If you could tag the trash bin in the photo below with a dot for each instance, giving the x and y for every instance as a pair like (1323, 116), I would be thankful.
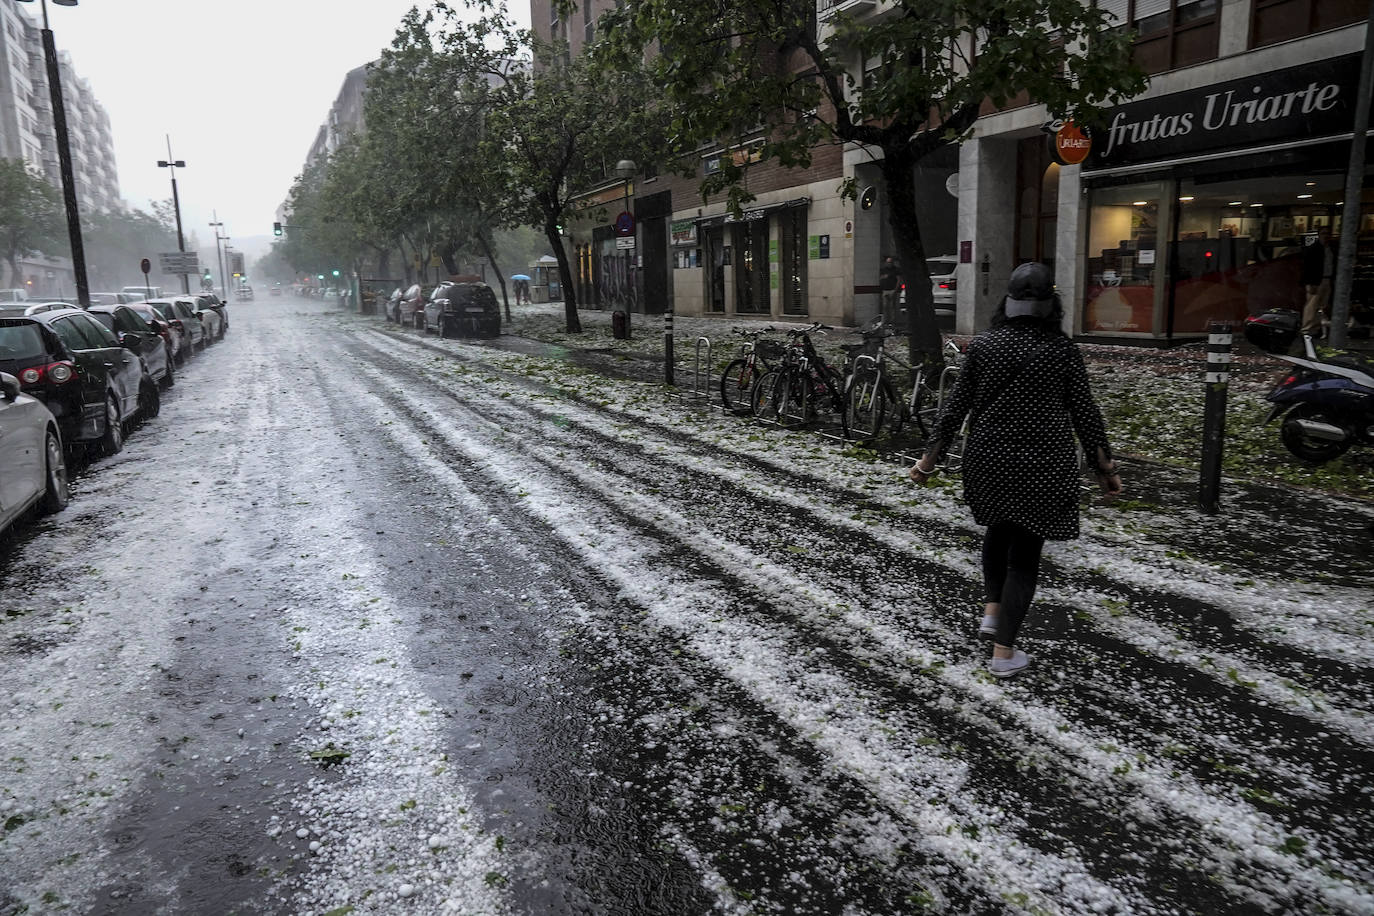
(620, 324)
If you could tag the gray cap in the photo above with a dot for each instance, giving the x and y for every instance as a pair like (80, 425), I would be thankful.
(1030, 291)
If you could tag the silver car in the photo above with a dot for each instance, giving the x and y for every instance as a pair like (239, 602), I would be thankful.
(32, 468)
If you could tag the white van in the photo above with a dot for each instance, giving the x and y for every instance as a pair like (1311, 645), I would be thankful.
(143, 292)
(14, 295)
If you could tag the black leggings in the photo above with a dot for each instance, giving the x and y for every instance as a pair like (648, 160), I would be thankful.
(1011, 566)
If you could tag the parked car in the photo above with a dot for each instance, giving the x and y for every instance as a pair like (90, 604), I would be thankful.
(244, 293)
(173, 336)
(17, 294)
(274, 291)
(92, 385)
(942, 287)
(210, 319)
(142, 292)
(137, 333)
(210, 300)
(33, 470)
(391, 304)
(462, 310)
(32, 308)
(174, 311)
(411, 309)
(104, 298)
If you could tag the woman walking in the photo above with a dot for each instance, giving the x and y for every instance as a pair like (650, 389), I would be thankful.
(1026, 387)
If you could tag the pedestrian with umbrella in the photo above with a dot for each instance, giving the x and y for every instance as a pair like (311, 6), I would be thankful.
(522, 287)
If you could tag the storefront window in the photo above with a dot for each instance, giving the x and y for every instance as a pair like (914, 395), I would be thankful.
(751, 267)
(1124, 260)
(793, 229)
(1239, 247)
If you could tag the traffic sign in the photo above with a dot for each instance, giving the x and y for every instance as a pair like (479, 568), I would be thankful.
(145, 265)
(179, 262)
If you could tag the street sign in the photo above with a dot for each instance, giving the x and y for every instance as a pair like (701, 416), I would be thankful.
(145, 265)
(179, 262)
(625, 223)
(624, 243)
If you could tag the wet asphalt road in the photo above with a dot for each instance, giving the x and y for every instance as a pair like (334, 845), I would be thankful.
(580, 661)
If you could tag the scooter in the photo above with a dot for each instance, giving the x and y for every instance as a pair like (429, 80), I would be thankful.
(1327, 403)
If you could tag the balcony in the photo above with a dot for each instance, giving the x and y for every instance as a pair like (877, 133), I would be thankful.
(825, 9)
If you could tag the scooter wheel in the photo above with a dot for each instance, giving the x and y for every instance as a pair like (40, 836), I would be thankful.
(1303, 444)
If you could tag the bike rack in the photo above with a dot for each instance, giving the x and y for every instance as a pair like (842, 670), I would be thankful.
(701, 387)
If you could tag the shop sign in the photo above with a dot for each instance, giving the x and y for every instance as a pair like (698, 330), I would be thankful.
(684, 232)
(1072, 143)
(1305, 102)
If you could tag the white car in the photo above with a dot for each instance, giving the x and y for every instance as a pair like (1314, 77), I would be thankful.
(32, 468)
(942, 285)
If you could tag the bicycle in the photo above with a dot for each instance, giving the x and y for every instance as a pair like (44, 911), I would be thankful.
(870, 394)
(740, 375)
(803, 381)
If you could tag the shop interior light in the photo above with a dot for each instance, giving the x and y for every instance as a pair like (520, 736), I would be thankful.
(1257, 205)
(1139, 203)
(1186, 197)
(1303, 196)
(1311, 184)
(1235, 203)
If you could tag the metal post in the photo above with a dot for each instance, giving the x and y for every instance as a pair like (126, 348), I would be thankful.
(1214, 415)
(64, 158)
(668, 344)
(700, 388)
(1354, 183)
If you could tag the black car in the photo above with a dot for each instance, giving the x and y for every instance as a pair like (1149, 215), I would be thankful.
(179, 315)
(141, 336)
(91, 384)
(462, 310)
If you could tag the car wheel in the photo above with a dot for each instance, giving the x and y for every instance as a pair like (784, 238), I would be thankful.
(169, 378)
(420, 321)
(112, 441)
(204, 343)
(56, 493)
(149, 401)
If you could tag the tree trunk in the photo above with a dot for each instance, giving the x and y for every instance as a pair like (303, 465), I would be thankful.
(925, 341)
(500, 277)
(384, 265)
(574, 324)
(13, 262)
(446, 255)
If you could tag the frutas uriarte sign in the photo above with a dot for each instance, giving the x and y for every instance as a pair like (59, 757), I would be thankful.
(1306, 102)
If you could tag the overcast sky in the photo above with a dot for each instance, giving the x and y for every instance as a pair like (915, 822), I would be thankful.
(241, 86)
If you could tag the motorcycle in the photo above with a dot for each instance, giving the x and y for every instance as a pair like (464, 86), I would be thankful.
(1327, 402)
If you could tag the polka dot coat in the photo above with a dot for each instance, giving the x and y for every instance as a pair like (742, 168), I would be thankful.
(1025, 389)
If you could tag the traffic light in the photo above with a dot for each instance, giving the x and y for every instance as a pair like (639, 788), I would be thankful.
(276, 228)
(319, 277)
(336, 273)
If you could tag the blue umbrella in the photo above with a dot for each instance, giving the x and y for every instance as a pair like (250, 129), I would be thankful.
(519, 276)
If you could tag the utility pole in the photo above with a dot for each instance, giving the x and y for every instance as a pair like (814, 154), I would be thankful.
(174, 164)
(219, 255)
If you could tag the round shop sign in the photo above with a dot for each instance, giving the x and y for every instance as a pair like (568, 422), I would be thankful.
(1072, 143)
(952, 184)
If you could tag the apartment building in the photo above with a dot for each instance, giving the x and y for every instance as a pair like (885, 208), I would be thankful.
(27, 132)
(1192, 203)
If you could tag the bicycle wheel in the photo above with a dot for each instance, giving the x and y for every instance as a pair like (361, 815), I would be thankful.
(737, 386)
(795, 399)
(763, 398)
(929, 401)
(865, 404)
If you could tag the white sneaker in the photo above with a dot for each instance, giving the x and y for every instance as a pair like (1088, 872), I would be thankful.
(1006, 667)
(989, 626)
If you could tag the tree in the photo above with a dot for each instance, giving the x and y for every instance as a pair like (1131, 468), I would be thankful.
(727, 67)
(115, 241)
(31, 216)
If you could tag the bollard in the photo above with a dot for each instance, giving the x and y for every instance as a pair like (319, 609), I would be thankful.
(620, 324)
(668, 344)
(1214, 415)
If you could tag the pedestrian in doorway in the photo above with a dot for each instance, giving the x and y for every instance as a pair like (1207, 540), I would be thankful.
(890, 283)
(1318, 269)
(1026, 388)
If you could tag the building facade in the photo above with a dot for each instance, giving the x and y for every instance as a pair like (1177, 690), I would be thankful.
(1193, 203)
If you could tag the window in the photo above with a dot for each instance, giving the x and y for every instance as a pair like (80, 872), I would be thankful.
(1273, 21)
(1169, 33)
(71, 335)
(794, 261)
(94, 332)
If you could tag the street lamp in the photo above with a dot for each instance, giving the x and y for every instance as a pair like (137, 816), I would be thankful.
(174, 164)
(64, 157)
(219, 256)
